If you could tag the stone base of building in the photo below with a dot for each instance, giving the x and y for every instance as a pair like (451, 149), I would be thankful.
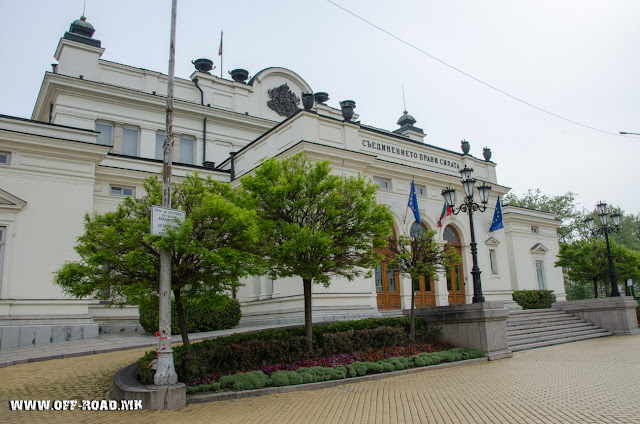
(115, 320)
(296, 316)
(41, 322)
(480, 326)
(616, 314)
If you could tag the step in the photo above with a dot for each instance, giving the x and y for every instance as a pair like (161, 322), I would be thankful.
(549, 324)
(527, 338)
(537, 329)
(539, 344)
(534, 312)
(542, 321)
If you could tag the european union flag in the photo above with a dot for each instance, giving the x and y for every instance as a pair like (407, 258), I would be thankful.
(413, 203)
(496, 224)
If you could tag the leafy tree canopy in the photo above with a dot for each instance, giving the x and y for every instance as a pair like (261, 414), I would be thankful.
(585, 261)
(210, 251)
(318, 224)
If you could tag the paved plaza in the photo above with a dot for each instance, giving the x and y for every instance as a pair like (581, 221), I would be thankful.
(595, 381)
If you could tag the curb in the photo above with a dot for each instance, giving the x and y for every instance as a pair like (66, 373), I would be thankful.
(215, 397)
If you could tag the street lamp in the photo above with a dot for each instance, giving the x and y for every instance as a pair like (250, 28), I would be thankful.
(606, 228)
(469, 206)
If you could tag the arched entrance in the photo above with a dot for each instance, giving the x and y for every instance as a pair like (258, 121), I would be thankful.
(455, 276)
(387, 283)
(423, 287)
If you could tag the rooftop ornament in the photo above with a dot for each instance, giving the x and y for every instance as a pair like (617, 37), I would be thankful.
(203, 65)
(347, 109)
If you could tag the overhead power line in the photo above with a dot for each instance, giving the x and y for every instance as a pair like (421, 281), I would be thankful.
(413, 46)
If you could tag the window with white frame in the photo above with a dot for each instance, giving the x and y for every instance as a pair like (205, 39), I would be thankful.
(160, 145)
(540, 274)
(130, 141)
(534, 229)
(382, 182)
(187, 150)
(493, 259)
(5, 158)
(106, 133)
(421, 190)
(3, 238)
(121, 191)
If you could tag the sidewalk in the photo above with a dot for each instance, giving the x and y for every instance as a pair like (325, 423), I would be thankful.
(104, 343)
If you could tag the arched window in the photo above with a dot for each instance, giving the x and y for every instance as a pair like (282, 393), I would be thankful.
(450, 235)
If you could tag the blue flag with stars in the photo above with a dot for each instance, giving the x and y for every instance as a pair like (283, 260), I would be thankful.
(496, 224)
(413, 203)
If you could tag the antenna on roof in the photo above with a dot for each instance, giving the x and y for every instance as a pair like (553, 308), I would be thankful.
(84, 6)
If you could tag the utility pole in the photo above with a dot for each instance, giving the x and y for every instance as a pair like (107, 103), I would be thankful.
(165, 371)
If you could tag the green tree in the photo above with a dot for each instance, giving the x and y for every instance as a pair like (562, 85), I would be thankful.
(419, 255)
(563, 206)
(585, 261)
(211, 250)
(319, 225)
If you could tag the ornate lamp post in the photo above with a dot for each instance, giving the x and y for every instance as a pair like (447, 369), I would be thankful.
(605, 229)
(469, 206)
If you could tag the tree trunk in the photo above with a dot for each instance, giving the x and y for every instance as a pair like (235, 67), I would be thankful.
(181, 321)
(595, 289)
(308, 317)
(412, 327)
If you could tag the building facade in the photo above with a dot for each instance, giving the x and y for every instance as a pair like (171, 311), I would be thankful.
(96, 134)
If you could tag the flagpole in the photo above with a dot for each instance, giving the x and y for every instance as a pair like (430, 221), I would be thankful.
(220, 53)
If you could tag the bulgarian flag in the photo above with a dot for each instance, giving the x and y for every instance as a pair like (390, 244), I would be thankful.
(446, 211)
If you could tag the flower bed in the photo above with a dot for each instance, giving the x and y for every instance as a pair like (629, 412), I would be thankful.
(333, 368)
(252, 351)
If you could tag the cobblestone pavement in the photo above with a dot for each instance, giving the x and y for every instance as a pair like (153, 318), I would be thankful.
(594, 381)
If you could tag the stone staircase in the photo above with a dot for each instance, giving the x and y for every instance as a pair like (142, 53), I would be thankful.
(534, 328)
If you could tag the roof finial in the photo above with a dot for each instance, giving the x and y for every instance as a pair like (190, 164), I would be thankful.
(84, 6)
(404, 100)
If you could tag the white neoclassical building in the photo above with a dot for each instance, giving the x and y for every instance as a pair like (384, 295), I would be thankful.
(96, 134)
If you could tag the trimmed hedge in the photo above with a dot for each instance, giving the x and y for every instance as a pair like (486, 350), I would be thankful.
(258, 379)
(534, 299)
(253, 350)
(199, 316)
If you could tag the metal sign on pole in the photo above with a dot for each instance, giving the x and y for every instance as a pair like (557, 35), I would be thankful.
(165, 371)
(163, 218)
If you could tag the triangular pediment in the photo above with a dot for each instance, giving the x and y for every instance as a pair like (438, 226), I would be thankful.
(539, 248)
(10, 202)
(491, 241)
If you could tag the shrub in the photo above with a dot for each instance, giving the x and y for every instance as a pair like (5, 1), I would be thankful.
(244, 381)
(534, 299)
(218, 313)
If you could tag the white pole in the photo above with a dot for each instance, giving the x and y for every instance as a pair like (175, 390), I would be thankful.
(166, 372)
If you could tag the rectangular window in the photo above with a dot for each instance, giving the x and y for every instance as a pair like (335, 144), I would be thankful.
(122, 191)
(130, 137)
(392, 280)
(379, 277)
(106, 133)
(494, 261)
(383, 183)
(421, 191)
(5, 158)
(3, 238)
(458, 282)
(540, 274)
(534, 229)
(187, 150)
(160, 145)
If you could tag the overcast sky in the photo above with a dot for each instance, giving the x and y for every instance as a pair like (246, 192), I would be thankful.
(578, 59)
